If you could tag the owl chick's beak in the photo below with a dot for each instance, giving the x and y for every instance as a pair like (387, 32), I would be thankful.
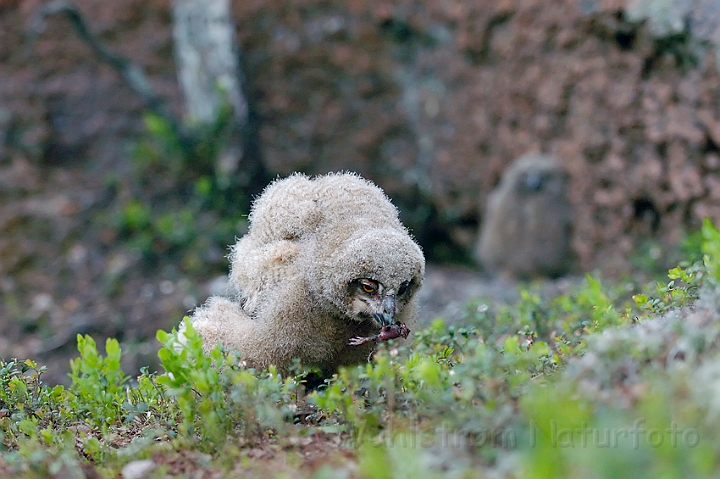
(389, 308)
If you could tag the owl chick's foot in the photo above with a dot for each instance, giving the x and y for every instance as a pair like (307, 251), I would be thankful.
(386, 333)
(358, 340)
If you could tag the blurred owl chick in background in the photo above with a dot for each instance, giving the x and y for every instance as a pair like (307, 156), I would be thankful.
(527, 226)
(325, 266)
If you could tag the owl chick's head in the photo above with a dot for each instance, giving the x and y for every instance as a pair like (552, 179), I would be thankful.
(534, 175)
(373, 275)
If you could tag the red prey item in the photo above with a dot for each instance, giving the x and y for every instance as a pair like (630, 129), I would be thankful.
(386, 333)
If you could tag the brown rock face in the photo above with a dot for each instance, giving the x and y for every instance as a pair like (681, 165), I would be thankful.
(434, 100)
(431, 100)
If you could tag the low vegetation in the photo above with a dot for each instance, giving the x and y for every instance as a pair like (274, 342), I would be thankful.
(604, 381)
(177, 204)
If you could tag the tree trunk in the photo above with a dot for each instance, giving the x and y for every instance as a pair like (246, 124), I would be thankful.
(208, 69)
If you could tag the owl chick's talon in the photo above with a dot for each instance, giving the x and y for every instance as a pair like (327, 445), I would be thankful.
(358, 340)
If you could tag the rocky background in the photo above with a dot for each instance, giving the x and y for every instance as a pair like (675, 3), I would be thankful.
(431, 100)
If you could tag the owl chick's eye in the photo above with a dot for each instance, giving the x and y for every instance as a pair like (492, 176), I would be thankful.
(369, 287)
(403, 288)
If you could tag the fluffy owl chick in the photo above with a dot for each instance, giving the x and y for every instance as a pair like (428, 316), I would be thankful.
(325, 260)
(528, 221)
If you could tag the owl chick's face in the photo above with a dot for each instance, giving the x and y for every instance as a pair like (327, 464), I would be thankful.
(370, 299)
(547, 182)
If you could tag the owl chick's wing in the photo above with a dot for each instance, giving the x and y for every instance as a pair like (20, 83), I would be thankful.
(257, 270)
(263, 259)
(222, 321)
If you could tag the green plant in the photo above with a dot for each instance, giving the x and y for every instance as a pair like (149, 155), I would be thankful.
(98, 383)
(687, 278)
(216, 396)
(26, 404)
(711, 249)
(184, 206)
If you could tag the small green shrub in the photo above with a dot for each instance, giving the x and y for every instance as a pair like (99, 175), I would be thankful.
(26, 404)
(98, 383)
(216, 396)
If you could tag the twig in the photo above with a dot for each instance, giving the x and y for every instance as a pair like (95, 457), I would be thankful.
(131, 73)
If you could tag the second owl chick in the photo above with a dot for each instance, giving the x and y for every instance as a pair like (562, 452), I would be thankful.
(325, 260)
(527, 226)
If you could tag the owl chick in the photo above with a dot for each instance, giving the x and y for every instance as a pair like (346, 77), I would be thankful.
(527, 226)
(325, 262)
